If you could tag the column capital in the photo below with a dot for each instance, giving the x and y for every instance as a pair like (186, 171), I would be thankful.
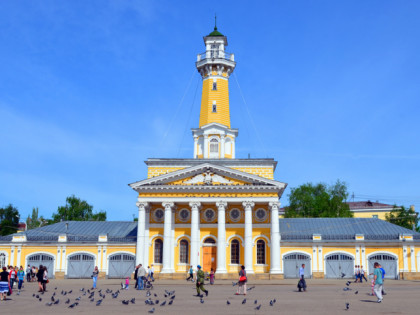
(221, 204)
(206, 136)
(248, 205)
(168, 205)
(195, 204)
(274, 205)
(142, 205)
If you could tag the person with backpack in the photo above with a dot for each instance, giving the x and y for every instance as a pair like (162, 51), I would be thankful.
(40, 278)
(302, 282)
(20, 277)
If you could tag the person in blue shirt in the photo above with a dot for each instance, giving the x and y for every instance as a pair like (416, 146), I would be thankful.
(21, 277)
(383, 278)
(377, 276)
(302, 282)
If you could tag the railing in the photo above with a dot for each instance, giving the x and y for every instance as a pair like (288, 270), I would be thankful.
(216, 54)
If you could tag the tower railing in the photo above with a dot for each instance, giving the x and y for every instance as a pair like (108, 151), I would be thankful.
(215, 54)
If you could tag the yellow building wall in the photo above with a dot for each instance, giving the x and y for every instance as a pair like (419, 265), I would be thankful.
(393, 250)
(381, 215)
(259, 233)
(153, 234)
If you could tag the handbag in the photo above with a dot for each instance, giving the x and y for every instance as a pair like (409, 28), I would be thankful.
(242, 279)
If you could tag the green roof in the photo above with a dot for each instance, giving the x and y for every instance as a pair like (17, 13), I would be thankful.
(215, 32)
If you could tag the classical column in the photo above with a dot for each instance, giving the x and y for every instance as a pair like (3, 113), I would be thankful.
(206, 147)
(173, 241)
(167, 233)
(275, 239)
(195, 234)
(248, 206)
(222, 146)
(146, 245)
(405, 258)
(140, 232)
(195, 147)
(413, 259)
(221, 237)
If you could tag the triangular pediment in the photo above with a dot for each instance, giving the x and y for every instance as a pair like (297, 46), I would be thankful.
(207, 174)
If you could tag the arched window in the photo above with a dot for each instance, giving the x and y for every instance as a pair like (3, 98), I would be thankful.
(2, 260)
(214, 147)
(209, 240)
(261, 252)
(234, 252)
(183, 252)
(158, 251)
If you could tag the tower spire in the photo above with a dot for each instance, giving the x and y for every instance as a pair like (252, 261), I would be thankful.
(215, 22)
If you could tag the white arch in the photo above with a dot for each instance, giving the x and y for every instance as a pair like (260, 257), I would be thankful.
(120, 252)
(79, 252)
(207, 236)
(382, 252)
(296, 252)
(261, 236)
(42, 253)
(235, 236)
(153, 238)
(183, 236)
(338, 252)
(6, 254)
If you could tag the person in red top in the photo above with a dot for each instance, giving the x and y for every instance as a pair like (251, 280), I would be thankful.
(12, 276)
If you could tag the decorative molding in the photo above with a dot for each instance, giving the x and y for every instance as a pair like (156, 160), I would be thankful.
(248, 205)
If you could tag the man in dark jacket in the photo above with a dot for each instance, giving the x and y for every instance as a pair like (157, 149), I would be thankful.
(135, 276)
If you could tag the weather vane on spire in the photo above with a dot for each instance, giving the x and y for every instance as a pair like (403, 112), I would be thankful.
(215, 22)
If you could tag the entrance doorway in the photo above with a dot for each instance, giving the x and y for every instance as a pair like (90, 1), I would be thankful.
(209, 254)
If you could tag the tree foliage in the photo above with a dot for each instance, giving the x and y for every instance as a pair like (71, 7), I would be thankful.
(9, 220)
(318, 201)
(77, 210)
(34, 221)
(405, 217)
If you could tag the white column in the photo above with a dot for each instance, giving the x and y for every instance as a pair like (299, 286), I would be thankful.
(405, 258)
(222, 146)
(357, 261)
(140, 232)
(221, 237)
(19, 254)
(195, 147)
(320, 259)
(173, 241)
(206, 147)
(167, 233)
(12, 256)
(64, 259)
(58, 262)
(275, 238)
(363, 249)
(413, 259)
(233, 147)
(248, 205)
(195, 234)
(314, 258)
(146, 239)
(98, 259)
(104, 260)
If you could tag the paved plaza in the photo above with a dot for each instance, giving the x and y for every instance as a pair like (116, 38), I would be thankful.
(322, 297)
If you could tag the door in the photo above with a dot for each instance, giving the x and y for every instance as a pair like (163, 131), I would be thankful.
(388, 262)
(292, 263)
(80, 266)
(338, 264)
(45, 260)
(121, 266)
(209, 258)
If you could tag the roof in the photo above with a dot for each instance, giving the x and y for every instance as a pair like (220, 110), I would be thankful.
(79, 231)
(341, 229)
(215, 32)
(355, 205)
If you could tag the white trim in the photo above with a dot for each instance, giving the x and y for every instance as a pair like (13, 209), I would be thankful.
(207, 236)
(121, 252)
(235, 236)
(339, 252)
(262, 236)
(183, 236)
(256, 252)
(42, 253)
(155, 236)
(296, 252)
(418, 261)
(382, 252)
(207, 199)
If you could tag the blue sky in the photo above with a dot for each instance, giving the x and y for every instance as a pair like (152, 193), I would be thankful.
(89, 90)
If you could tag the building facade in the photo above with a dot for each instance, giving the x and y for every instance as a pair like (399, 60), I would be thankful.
(217, 211)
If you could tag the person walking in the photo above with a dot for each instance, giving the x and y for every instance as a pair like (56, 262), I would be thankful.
(377, 276)
(28, 274)
(135, 276)
(362, 274)
(152, 272)
(242, 282)
(383, 279)
(45, 278)
(4, 283)
(20, 277)
(200, 282)
(302, 282)
(190, 274)
(356, 273)
(127, 283)
(12, 276)
(40, 276)
(212, 276)
(141, 274)
(95, 275)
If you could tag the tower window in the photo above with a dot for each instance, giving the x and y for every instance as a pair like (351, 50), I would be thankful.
(214, 86)
(214, 146)
(214, 109)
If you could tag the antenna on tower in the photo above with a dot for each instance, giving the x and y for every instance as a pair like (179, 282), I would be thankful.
(352, 196)
(215, 22)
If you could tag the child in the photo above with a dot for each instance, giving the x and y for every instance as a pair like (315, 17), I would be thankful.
(212, 276)
(127, 283)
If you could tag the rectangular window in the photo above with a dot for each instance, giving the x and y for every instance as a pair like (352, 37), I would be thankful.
(261, 252)
(214, 86)
(375, 216)
(234, 253)
(214, 110)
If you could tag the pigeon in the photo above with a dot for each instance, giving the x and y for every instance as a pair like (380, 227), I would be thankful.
(125, 302)
(346, 289)
(84, 294)
(82, 289)
(133, 301)
(92, 299)
(274, 301)
(88, 291)
(157, 302)
(227, 302)
(348, 283)
(78, 299)
(42, 293)
(271, 303)
(37, 296)
(244, 301)
(73, 305)
(49, 304)
(55, 288)
(234, 283)
(250, 288)
(163, 303)
(347, 306)
(68, 301)
(152, 310)
(255, 302)
(98, 302)
(343, 275)
(52, 299)
(57, 301)
(258, 307)
(148, 293)
(18, 293)
(201, 301)
(172, 297)
(170, 302)
(40, 299)
(155, 294)
(65, 293)
(53, 294)
(122, 286)
(70, 291)
(356, 292)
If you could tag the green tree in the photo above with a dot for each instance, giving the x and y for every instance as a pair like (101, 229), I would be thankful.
(9, 220)
(405, 217)
(77, 210)
(34, 221)
(318, 201)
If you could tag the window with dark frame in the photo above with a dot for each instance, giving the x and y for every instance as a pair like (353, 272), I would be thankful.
(214, 86)
(214, 110)
(214, 146)
(260, 252)
(158, 254)
(183, 252)
(234, 252)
